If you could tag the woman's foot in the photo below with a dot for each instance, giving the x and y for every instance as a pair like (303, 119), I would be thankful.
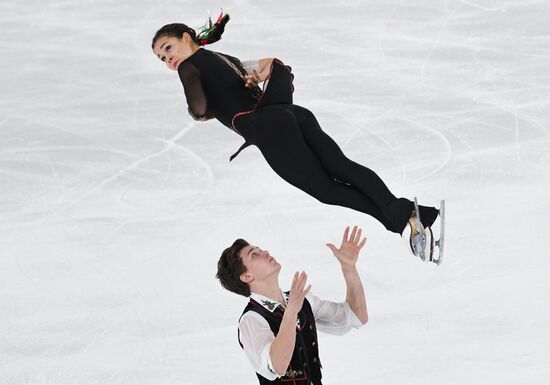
(417, 238)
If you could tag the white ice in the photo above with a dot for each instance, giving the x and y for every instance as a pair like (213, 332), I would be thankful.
(115, 205)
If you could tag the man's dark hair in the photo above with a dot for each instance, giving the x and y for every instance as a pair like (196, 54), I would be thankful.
(230, 268)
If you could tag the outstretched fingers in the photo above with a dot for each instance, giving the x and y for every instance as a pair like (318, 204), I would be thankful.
(294, 280)
(346, 233)
(299, 281)
(352, 244)
(298, 291)
(353, 234)
(302, 279)
(308, 288)
(357, 237)
(363, 243)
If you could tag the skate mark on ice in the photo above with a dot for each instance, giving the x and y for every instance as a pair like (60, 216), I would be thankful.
(471, 155)
(65, 148)
(358, 128)
(442, 31)
(384, 28)
(11, 322)
(140, 306)
(482, 8)
(444, 140)
(201, 161)
(516, 129)
(170, 143)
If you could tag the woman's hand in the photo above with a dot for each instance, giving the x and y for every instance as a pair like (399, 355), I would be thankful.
(252, 80)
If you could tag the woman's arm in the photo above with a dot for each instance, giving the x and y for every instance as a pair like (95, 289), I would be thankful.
(265, 67)
(194, 92)
(258, 71)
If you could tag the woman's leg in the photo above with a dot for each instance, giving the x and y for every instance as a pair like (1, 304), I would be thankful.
(362, 178)
(277, 134)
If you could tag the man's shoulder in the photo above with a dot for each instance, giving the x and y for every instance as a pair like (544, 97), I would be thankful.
(250, 308)
(251, 318)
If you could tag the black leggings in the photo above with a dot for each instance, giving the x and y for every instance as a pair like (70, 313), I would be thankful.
(300, 152)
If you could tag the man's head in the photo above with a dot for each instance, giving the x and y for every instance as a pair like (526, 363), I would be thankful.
(242, 267)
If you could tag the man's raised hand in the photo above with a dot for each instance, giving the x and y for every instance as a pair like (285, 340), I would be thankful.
(298, 292)
(348, 252)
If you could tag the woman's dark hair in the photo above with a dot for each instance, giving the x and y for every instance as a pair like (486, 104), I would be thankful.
(230, 268)
(208, 35)
(174, 30)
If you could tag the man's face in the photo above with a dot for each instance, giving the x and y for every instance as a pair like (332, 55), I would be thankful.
(172, 51)
(259, 264)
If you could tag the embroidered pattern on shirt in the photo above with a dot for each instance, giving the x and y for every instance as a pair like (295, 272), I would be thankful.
(270, 305)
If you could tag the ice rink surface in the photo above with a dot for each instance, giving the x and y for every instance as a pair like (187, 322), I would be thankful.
(115, 205)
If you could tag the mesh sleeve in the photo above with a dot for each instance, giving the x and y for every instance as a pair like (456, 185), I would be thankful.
(194, 92)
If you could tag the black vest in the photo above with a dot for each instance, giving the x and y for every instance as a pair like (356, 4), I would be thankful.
(304, 367)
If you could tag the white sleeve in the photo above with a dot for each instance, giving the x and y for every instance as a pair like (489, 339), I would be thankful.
(251, 65)
(333, 317)
(256, 337)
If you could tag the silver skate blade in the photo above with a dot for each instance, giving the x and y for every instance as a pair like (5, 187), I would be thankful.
(432, 244)
(440, 242)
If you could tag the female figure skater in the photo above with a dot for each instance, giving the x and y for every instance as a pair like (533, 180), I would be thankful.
(294, 145)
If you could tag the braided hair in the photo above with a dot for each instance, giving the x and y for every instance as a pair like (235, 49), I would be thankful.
(210, 33)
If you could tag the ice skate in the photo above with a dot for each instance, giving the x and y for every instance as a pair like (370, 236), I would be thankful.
(440, 222)
(417, 239)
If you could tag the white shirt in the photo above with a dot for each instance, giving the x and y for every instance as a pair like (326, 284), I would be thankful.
(256, 335)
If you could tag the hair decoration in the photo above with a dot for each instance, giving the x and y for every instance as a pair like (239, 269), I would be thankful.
(211, 33)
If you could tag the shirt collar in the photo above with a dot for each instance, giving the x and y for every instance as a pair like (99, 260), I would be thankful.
(268, 303)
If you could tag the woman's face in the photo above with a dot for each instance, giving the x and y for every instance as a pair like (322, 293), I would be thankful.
(172, 50)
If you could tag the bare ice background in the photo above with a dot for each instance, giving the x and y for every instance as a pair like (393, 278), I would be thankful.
(115, 205)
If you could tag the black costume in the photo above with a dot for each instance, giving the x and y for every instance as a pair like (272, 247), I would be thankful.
(304, 367)
(289, 137)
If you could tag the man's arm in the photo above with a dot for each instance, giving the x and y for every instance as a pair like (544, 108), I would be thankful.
(283, 345)
(347, 255)
(355, 295)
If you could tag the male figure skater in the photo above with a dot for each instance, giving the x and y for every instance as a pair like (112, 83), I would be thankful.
(278, 330)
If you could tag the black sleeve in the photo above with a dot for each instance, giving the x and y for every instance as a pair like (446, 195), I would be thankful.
(194, 92)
